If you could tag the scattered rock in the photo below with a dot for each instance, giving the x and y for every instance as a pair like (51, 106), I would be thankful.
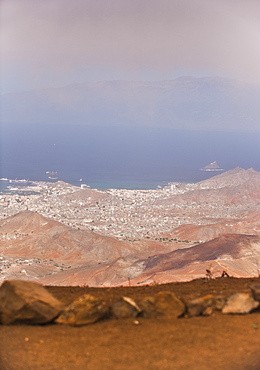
(125, 307)
(255, 289)
(30, 303)
(197, 306)
(27, 302)
(240, 303)
(85, 310)
(163, 304)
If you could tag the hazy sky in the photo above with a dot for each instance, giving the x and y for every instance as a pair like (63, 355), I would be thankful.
(57, 42)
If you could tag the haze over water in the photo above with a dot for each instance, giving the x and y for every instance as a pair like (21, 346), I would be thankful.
(66, 59)
(112, 157)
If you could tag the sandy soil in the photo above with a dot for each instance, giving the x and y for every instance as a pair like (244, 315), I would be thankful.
(229, 342)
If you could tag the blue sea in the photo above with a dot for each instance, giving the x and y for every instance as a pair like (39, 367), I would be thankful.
(121, 157)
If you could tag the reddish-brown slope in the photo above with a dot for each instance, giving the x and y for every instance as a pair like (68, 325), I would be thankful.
(234, 246)
(244, 194)
(32, 235)
(239, 255)
(247, 224)
(91, 194)
(232, 177)
(37, 236)
(234, 187)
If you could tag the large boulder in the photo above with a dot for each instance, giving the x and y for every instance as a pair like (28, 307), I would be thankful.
(198, 306)
(125, 307)
(162, 304)
(205, 305)
(240, 303)
(85, 310)
(27, 302)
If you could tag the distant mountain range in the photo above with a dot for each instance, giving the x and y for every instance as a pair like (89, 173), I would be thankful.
(186, 102)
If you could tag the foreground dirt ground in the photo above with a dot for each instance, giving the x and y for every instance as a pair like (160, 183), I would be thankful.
(229, 342)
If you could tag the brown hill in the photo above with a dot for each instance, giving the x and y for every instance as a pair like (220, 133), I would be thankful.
(239, 255)
(97, 260)
(32, 235)
(226, 246)
(29, 235)
(234, 177)
(247, 193)
(226, 203)
(236, 254)
(83, 194)
(246, 223)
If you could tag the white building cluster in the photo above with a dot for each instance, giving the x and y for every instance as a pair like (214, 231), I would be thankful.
(131, 214)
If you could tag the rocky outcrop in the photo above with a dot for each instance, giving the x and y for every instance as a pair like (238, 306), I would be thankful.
(199, 306)
(240, 303)
(27, 303)
(30, 303)
(125, 307)
(85, 310)
(163, 304)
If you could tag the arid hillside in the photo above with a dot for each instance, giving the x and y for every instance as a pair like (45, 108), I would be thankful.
(68, 236)
(235, 254)
(246, 223)
(60, 255)
(36, 246)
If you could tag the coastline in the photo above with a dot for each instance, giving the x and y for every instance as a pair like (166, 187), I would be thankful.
(120, 181)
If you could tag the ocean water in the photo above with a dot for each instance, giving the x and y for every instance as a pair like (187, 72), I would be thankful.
(121, 157)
